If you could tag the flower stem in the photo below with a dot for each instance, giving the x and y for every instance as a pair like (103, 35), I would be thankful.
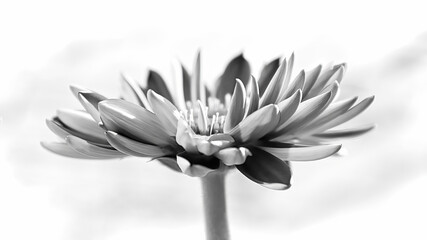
(213, 188)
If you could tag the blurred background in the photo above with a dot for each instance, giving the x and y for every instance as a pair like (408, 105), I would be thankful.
(376, 191)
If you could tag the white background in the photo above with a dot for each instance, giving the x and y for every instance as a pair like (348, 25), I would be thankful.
(377, 191)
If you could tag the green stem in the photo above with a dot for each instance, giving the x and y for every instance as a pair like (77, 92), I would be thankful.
(215, 207)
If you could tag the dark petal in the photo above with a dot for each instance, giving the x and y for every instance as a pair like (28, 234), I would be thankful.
(266, 169)
(133, 121)
(267, 74)
(156, 83)
(196, 165)
(169, 162)
(237, 68)
(186, 79)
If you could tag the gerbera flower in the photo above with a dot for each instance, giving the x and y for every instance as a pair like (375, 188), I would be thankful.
(257, 126)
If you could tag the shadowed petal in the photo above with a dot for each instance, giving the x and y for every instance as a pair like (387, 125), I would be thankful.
(267, 74)
(256, 125)
(233, 156)
(271, 94)
(156, 83)
(196, 165)
(345, 133)
(90, 101)
(56, 128)
(133, 121)
(186, 81)
(65, 150)
(166, 112)
(88, 149)
(237, 68)
(135, 148)
(267, 170)
(236, 110)
(169, 162)
(309, 153)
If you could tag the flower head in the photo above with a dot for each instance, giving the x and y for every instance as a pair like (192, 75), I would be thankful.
(256, 126)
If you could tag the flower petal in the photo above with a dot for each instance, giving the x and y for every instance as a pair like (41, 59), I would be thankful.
(169, 162)
(237, 68)
(252, 101)
(236, 111)
(297, 84)
(90, 101)
(81, 124)
(166, 112)
(185, 136)
(64, 150)
(306, 112)
(88, 149)
(267, 74)
(196, 165)
(285, 87)
(323, 80)
(256, 125)
(267, 170)
(156, 83)
(310, 80)
(133, 93)
(271, 94)
(135, 148)
(351, 113)
(289, 106)
(186, 81)
(233, 156)
(333, 111)
(345, 133)
(214, 143)
(308, 153)
(56, 128)
(133, 121)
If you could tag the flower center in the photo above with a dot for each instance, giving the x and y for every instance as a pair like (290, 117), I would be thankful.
(206, 120)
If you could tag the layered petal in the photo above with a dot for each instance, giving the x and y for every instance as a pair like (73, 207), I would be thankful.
(345, 133)
(156, 83)
(136, 148)
(165, 111)
(271, 94)
(236, 111)
(256, 125)
(133, 121)
(133, 93)
(90, 101)
(65, 150)
(267, 74)
(83, 147)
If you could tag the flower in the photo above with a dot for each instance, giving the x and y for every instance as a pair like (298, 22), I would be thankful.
(257, 126)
